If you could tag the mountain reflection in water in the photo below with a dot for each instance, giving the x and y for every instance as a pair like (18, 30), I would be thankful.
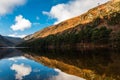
(104, 62)
(22, 68)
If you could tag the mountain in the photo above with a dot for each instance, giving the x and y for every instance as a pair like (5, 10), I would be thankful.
(9, 41)
(100, 12)
(100, 25)
(14, 40)
(5, 42)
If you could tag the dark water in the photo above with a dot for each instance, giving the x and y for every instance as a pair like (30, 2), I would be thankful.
(14, 66)
(101, 61)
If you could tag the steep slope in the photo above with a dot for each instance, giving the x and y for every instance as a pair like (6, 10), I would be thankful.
(99, 27)
(102, 12)
(5, 42)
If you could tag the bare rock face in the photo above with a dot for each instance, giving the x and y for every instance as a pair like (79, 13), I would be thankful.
(100, 11)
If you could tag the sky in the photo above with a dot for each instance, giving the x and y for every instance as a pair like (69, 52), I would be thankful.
(19, 18)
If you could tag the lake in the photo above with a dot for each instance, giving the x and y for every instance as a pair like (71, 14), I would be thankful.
(14, 66)
(97, 64)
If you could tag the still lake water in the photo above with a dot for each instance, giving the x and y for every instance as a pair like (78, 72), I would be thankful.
(14, 66)
(104, 62)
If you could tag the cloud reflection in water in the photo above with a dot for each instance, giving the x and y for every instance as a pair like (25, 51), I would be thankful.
(21, 68)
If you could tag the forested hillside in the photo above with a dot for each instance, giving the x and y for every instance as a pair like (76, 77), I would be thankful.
(98, 26)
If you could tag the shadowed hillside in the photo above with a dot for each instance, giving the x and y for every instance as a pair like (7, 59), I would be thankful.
(9, 41)
(14, 40)
(5, 42)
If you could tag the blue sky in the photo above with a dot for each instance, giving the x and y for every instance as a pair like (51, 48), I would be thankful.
(19, 18)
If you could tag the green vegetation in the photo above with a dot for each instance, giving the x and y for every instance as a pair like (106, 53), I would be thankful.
(115, 39)
(86, 35)
(89, 33)
(113, 19)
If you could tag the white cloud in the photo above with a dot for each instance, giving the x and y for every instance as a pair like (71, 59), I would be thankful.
(21, 24)
(17, 58)
(16, 35)
(71, 9)
(12, 59)
(7, 6)
(63, 76)
(21, 70)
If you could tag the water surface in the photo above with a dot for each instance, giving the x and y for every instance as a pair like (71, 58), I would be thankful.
(18, 67)
(103, 62)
